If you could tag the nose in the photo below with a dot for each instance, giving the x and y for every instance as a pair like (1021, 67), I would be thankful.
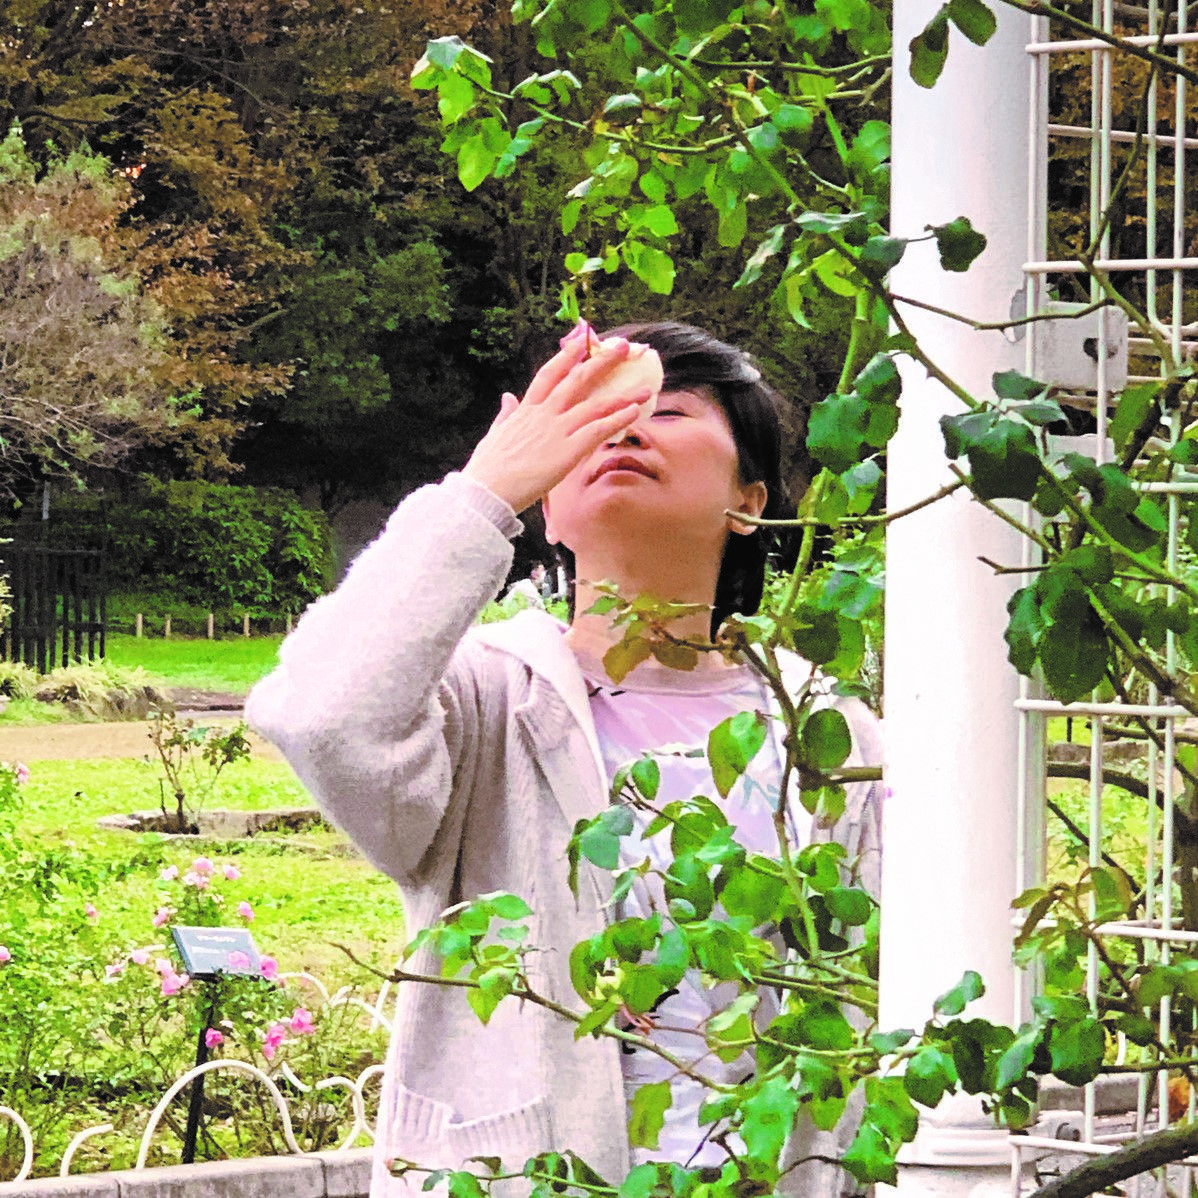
(632, 435)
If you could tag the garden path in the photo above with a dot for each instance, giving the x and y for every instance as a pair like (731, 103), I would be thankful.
(127, 738)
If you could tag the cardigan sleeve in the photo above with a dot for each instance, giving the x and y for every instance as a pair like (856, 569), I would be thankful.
(371, 702)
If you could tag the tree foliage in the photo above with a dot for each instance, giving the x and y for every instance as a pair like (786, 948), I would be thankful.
(82, 345)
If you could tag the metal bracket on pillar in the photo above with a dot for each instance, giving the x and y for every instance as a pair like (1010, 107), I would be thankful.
(1067, 349)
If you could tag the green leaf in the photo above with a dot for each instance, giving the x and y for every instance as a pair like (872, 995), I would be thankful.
(507, 906)
(929, 49)
(1073, 655)
(673, 958)
(767, 1118)
(869, 1158)
(624, 656)
(646, 775)
(823, 1026)
(767, 249)
(445, 51)
(954, 1001)
(599, 842)
(1004, 458)
(974, 19)
(464, 1184)
(732, 744)
(959, 244)
(659, 220)
(928, 1075)
(753, 894)
(647, 1114)
(1017, 1059)
(426, 75)
(476, 159)
(853, 227)
(596, 1019)
(890, 1042)
(794, 124)
(825, 740)
(836, 431)
(879, 255)
(623, 103)
(456, 98)
(879, 381)
(1134, 406)
(654, 267)
(851, 906)
(1011, 384)
(1076, 1050)
(734, 223)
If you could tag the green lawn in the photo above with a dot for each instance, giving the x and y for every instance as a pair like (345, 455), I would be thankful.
(233, 664)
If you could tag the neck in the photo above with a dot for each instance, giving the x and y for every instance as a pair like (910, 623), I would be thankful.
(675, 582)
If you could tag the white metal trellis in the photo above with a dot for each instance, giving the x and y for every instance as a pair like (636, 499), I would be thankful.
(1163, 268)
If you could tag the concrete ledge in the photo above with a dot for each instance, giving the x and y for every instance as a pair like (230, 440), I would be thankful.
(318, 1175)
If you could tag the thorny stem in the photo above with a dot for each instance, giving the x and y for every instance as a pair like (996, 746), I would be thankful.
(888, 518)
(997, 326)
(523, 991)
(1005, 516)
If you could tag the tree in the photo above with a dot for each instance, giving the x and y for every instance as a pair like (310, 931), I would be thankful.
(82, 345)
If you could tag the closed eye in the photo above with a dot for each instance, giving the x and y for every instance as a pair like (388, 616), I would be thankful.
(669, 412)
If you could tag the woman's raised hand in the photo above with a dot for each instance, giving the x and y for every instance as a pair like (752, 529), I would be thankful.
(535, 442)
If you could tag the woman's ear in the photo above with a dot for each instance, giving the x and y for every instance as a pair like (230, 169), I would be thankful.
(752, 503)
(550, 535)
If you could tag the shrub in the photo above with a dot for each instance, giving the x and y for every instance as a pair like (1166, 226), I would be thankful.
(100, 690)
(17, 680)
(206, 545)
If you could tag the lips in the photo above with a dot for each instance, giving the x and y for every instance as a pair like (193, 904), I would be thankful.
(624, 463)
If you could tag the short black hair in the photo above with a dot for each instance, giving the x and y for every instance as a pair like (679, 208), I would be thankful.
(692, 357)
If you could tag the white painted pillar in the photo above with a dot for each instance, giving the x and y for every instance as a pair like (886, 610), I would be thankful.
(950, 830)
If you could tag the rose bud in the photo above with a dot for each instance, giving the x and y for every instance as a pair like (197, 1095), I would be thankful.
(637, 374)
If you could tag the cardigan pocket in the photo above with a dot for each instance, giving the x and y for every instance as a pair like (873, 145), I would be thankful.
(430, 1133)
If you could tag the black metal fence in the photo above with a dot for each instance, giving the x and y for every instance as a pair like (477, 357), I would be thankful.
(58, 605)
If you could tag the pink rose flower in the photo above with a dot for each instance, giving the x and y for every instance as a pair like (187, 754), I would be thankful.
(245, 911)
(273, 1039)
(270, 968)
(114, 970)
(5, 955)
(164, 966)
(212, 1038)
(91, 913)
(21, 770)
(231, 872)
(238, 960)
(169, 874)
(161, 916)
(198, 880)
(139, 956)
(172, 983)
(203, 866)
(301, 1022)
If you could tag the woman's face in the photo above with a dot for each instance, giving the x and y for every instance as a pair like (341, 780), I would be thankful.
(671, 476)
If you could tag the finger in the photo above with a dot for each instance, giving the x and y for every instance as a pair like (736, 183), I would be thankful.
(573, 351)
(508, 403)
(587, 375)
(593, 433)
(588, 411)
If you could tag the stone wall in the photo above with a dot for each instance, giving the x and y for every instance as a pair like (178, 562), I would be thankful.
(316, 1175)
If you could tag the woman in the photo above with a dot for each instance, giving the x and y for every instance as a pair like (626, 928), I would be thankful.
(459, 757)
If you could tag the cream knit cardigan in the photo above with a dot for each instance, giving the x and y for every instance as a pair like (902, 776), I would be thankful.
(458, 758)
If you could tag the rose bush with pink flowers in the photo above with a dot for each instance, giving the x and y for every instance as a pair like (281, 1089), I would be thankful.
(96, 1023)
